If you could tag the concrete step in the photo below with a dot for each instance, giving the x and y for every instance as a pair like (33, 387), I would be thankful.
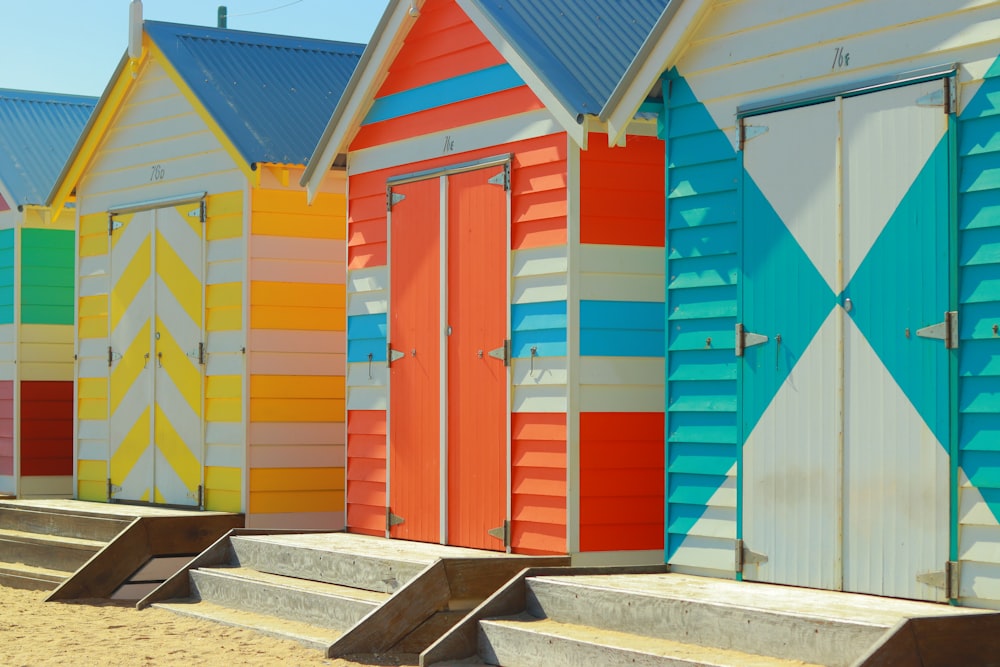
(19, 575)
(308, 634)
(709, 613)
(54, 552)
(526, 641)
(325, 605)
(68, 524)
(375, 566)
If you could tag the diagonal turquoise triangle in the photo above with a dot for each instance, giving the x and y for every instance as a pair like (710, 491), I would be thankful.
(783, 293)
(903, 284)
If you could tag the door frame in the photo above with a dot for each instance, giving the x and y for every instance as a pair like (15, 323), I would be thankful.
(503, 160)
(144, 206)
(948, 74)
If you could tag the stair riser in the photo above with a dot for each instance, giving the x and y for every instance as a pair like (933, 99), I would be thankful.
(66, 525)
(752, 631)
(291, 604)
(355, 570)
(27, 583)
(65, 558)
(510, 647)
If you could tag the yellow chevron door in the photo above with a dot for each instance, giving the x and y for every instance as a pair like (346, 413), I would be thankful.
(156, 334)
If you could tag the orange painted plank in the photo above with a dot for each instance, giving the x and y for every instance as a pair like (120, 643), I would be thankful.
(539, 482)
(538, 234)
(488, 107)
(366, 422)
(367, 232)
(538, 538)
(538, 426)
(296, 410)
(296, 501)
(368, 447)
(264, 293)
(367, 471)
(296, 479)
(366, 519)
(302, 318)
(296, 386)
(363, 257)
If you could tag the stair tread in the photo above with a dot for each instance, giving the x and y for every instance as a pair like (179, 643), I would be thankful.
(307, 585)
(33, 571)
(703, 655)
(306, 633)
(11, 535)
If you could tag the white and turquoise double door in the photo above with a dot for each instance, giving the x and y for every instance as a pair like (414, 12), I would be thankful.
(845, 406)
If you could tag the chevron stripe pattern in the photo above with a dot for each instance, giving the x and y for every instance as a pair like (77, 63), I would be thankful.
(156, 379)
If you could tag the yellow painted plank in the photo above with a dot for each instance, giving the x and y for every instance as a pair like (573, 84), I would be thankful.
(93, 327)
(93, 408)
(94, 246)
(182, 369)
(224, 410)
(296, 410)
(224, 203)
(92, 306)
(134, 276)
(307, 295)
(222, 501)
(92, 388)
(136, 442)
(93, 471)
(225, 227)
(296, 479)
(124, 220)
(267, 223)
(224, 386)
(95, 223)
(184, 285)
(224, 295)
(300, 501)
(94, 491)
(225, 319)
(223, 479)
(296, 386)
(298, 318)
(127, 369)
(177, 453)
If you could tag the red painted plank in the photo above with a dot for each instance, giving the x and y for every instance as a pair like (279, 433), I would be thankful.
(46, 428)
(6, 390)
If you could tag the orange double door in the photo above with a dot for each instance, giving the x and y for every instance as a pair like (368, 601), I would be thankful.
(449, 357)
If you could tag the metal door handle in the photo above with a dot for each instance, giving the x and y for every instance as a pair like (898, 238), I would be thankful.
(145, 360)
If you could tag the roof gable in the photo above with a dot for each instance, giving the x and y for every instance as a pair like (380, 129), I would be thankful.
(37, 134)
(270, 94)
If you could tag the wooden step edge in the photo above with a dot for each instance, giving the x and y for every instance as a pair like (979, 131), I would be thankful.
(27, 537)
(311, 636)
(35, 571)
(652, 646)
(252, 575)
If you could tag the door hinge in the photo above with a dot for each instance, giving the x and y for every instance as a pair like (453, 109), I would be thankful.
(392, 520)
(502, 178)
(501, 533)
(113, 489)
(392, 355)
(196, 495)
(947, 579)
(745, 339)
(201, 212)
(502, 353)
(201, 354)
(113, 224)
(392, 198)
(946, 331)
(744, 556)
(748, 132)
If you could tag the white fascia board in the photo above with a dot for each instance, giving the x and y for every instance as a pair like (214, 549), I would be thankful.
(360, 93)
(664, 53)
(565, 117)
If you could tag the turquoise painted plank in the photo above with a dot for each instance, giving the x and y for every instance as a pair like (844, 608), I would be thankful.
(700, 149)
(980, 432)
(704, 433)
(366, 334)
(701, 396)
(538, 316)
(701, 365)
(979, 395)
(983, 469)
(442, 93)
(980, 246)
(690, 119)
(979, 172)
(7, 276)
(698, 210)
(702, 272)
(551, 343)
(619, 315)
(681, 521)
(701, 459)
(717, 334)
(978, 136)
(700, 179)
(6, 240)
(979, 284)
(620, 343)
(703, 242)
(977, 210)
(976, 324)
(697, 303)
(687, 489)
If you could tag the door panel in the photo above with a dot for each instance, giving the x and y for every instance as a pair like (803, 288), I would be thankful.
(415, 379)
(477, 382)
(846, 417)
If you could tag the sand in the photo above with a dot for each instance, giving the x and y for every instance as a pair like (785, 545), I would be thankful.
(102, 633)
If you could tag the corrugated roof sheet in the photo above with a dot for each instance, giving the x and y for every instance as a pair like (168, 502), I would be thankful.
(580, 49)
(37, 134)
(271, 94)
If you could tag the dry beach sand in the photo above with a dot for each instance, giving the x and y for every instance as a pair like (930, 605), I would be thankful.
(101, 633)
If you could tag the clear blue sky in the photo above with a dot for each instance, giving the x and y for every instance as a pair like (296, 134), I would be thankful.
(73, 46)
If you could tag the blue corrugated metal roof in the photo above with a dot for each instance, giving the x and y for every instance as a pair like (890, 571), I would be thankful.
(37, 133)
(272, 95)
(580, 49)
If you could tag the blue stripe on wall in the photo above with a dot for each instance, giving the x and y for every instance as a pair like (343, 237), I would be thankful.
(366, 334)
(540, 325)
(7, 276)
(442, 93)
(621, 329)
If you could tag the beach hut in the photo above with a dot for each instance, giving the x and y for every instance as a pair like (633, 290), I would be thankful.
(37, 133)
(505, 281)
(210, 320)
(833, 297)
